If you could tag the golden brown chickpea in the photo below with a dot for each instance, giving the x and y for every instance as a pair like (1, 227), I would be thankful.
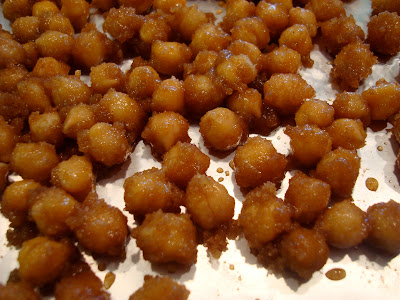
(347, 133)
(379, 6)
(13, 107)
(275, 16)
(42, 260)
(142, 82)
(50, 210)
(304, 251)
(26, 29)
(32, 91)
(78, 118)
(169, 96)
(344, 225)
(11, 76)
(167, 238)
(104, 143)
(153, 29)
(325, 10)
(235, 11)
(209, 37)
(339, 32)
(251, 30)
(46, 127)
(189, 19)
(99, 227)
(15, 201)
(208, 202)
(4, 170)
(222, 129)
(104, 5)
(383, 220)
(168, 57)
(160, 287)
(264, 216)
(308, 196)
(257, 161)
(122, 23)
(204, 63)
(106, 76)
(281, 60)
(77, 11)
(383, 99)
(352, 106)
(339, 168)
(164, 129)
(34, 160)
(8, 140)
(49, 67)
(298, 15)
(55, 44)
(55, 21)
(278, 92)
(182, 162)
(13, 9)
(384, 33)
(32, 54)
(353, 64)
(11, 52)
(42, 7)
(148, 191)
(298, 38)
(247, 104)
(18, 290)
(168, 6)
(315, 112)
(140, 6)
(308, 143)
(75, 176)
(241, 47)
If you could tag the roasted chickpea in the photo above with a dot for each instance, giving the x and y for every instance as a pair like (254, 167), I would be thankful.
(347, 133)
(298, 15)
(235, 11)
(315, 112)
(56, 22)
(379, 6)
(43, 7)
(10, 77)
(352, 106)
(241, 47)
(18, 290)
(142, 82)
(46, 127)
(104, 5)
(13, 9)
(169, 96)
(247, 104)
(140, 6)
(275, 16)
(4, 170)
(251, 30)
(49, 66)
(8, 140)
(281, 60)
(26, 29)
(11, 52)
(325, 10)
(77, 11)
(209, 37)
(169, 57)
(168, 6)
(78, 118)
(55, 44)
(32, 91)
(154, 29)
(189, 19)
(203, 63)
(106, 76)
(298, 38)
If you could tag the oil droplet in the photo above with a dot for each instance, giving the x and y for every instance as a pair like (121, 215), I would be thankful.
(109, 280)
(372, 184)
(232, 267)
(102, 266)
(227, 173)
(220, 170)
(220, 179)
(336, 274)
(232, 165)
(380, 148)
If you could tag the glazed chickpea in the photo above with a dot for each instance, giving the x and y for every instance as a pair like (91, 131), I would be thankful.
(68, 91)
(241, 47)
(79, 117)
(308, 197)
(251, 30)
(34, 160)
(4, 170)
(50, 210)
(189, 19)
(11, 52)
(106, 76)
(13, 107)
(344, 225)
(169, 57)
(140, 6)
(75, 176)
(339, 168)
(257, 161)
(8, 140)
(163, 130)
(352, 106)
(42, 260)
(13, 9)
(278, 92)
(46, 127)
(209, 37)
(304, 251)
(235, 11)
(55, 21)
(247, 104)
(347, 133)
(204, 62)
(122, 23)
(77, 11)
(104, 5)
(339, 32)
(298, 38)
(18, 290)
(383, 99)
(26, 29)
(182, 162)
(169, 96)
(208, 202)
(32, 91)
(11, 76)
(201, 94)
(379, 6)
(275, 16)
(15, 201)
(383, 220)
(160, 287)
(168, 6)
(55, 44)
(31, 53)
(49, 67)
(167, 238)
(142, 82)
(298, 15)
(263, 216)
(155, 29)
(325, 10)
(104, 143)
(148, 191)
(281, 60)
(99, 227)
(315, 112)
(352, 65)
(308, 143)
(42, 7)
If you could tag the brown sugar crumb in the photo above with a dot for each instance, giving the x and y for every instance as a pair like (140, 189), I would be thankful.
(232, 165)
(336, 274)
(372, 184)
(220, 179)
(102, 266)
(219, 11)
(220, 170)
(380, 148)
(231, 267)
(240, 278)
(227, 173)
(109, 280)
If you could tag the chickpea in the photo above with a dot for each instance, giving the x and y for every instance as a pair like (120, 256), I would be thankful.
(347, 133)
(11, 53)
(169, 57)
(298, 15)
(79, 117)
(298, 38)
(122, 23)
(106, 76)
(209, 37)
(203, 63)
(4, 170)
(13, 9)
(46, 127)
(235, 11)
(32, 91)
(325, 10)
(43, 7)
(26, 29)
(241, 47)
(379, 6)
(8, 140)
(77, 11)
(18, 290)
(315, 112)
(49, 67)
(169, 96)
(274, 16)
(251, 30)
(32, 54)
(168, 6)
(104, 5)
(140, 6)
(281, 60)
(55, 21)
(352, 106)
(10, 77)
(55, 44)
(247, 104)
(142, 82)
(189, 19)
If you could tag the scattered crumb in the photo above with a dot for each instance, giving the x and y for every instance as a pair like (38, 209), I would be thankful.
(372, 184)
(219, 11)
(227, 173)
(240, 278)
(232, 165)
(278, 138)
(232, 267)
(102, 266)
(109, 280)
(220, 170)
(380, 148)
(220, 179)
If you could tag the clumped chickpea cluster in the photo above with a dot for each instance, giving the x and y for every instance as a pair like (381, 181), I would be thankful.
(236, 77)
